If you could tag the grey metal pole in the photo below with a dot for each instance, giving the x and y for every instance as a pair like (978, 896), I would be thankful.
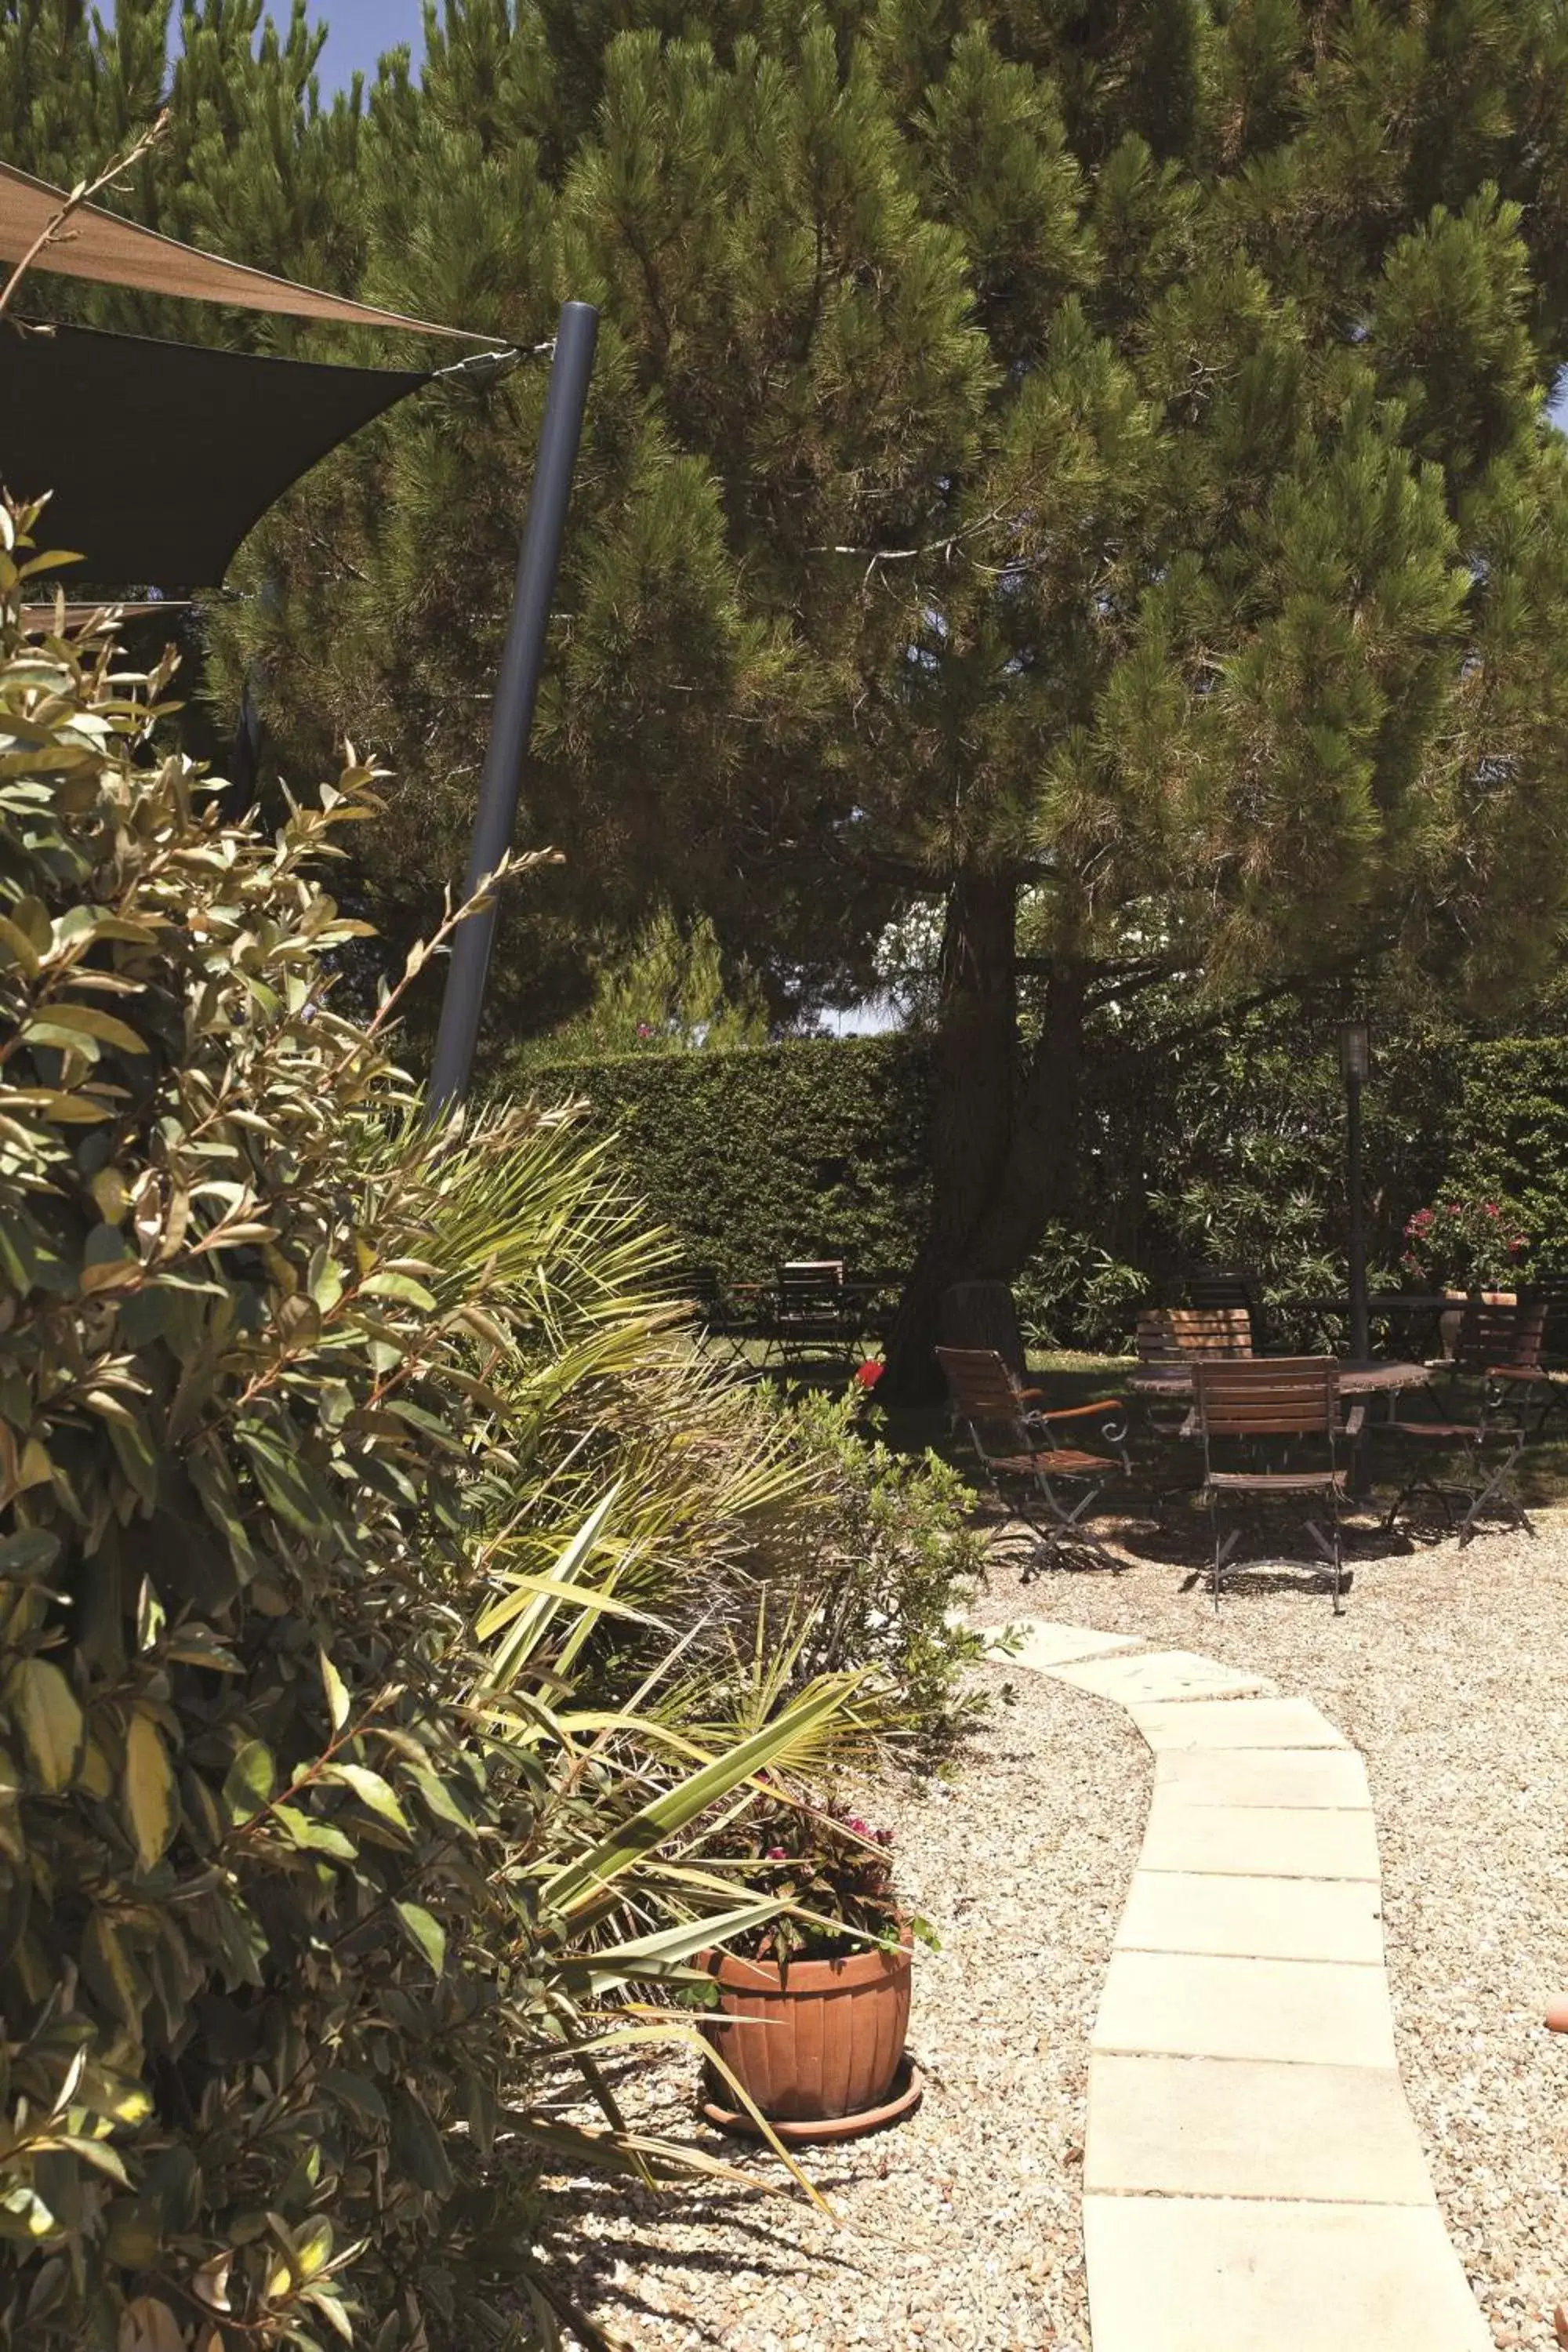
(517, 691)
(1361, 1335)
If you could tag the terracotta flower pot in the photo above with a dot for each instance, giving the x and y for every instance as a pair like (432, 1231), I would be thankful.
(831, 2036)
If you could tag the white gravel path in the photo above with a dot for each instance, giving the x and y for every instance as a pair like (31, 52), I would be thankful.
(961, 2228)
(1449, 1671)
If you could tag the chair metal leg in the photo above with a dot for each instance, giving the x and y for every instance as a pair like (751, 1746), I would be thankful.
(1420, 1482)
(1068, 1524)
(1499, 1484)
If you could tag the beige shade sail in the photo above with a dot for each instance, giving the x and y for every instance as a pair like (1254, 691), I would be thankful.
(109, 251)
(43, 619)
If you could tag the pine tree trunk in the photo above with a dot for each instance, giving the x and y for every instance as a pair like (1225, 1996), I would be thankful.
(1040, 1177)
(972, 1081)
(1004, 1156)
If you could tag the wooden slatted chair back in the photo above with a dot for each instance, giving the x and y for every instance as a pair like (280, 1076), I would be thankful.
(1176, 1335)
(1268, 1396)
(1500, 1332)
(1210, 1286)
(1550, 1295)
(985, 1395)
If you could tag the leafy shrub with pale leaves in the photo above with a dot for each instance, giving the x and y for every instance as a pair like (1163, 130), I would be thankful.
(342, 1463)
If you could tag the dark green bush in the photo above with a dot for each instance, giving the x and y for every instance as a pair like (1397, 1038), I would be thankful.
(1510, 1140)
(1225, 1148)
(766, 1154)
(352, 1478)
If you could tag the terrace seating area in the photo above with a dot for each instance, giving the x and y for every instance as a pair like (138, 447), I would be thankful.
(1222, 1431)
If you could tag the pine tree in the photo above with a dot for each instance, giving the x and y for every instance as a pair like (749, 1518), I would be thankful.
(252, 164)
(671, 994)
(1087, 457)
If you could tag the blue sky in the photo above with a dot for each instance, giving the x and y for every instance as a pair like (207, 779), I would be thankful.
(361, 30)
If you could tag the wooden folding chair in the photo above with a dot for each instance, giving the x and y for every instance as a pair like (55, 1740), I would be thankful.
(1210, 1286)
(1500, 1346)
(1176, 1335)
(1022, 1453)
(1265, 1401)
(1180, 1335)
(1513, 1358)
(814, 1315)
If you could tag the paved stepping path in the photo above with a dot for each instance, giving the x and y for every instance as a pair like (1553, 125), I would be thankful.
(1253, 2177)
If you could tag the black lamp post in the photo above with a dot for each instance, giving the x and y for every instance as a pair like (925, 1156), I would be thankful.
(1355, 1060)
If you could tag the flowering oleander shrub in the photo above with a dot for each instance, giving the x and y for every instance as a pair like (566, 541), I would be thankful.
(1464, 1242)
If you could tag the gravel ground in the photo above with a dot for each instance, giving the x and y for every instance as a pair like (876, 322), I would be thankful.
(960, 2227)
(1448, 1671)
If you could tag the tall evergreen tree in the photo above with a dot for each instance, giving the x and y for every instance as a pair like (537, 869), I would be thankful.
(252, 164)
(1087, 457)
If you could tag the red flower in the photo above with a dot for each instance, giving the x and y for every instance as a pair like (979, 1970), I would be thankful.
(868, 1374)
(777, 1854)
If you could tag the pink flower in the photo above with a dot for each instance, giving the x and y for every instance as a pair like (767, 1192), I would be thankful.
(777, 1854)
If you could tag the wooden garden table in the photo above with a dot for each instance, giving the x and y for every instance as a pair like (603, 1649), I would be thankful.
(1369, 1377)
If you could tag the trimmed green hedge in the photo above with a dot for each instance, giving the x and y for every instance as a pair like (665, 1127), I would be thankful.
(1231, 1150)
(802, 1150)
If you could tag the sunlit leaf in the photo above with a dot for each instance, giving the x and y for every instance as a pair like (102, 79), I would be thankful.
(425, 1933)
(49, 1721)
(336, 1690)
(250, 1782)
(151, 1799)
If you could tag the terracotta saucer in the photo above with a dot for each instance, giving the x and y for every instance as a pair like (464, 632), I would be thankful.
(909, 2089)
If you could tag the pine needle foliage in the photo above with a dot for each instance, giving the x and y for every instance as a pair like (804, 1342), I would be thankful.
(1089, 457)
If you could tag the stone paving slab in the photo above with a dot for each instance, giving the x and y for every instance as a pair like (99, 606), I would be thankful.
(1163, 1674)
(1254, 2181)
(1236, 1723)
(1047, 1645)
(1195, 2274)
(1199, 2005)
(1197, 2126)
(1320, 1778)
(1254, 1918)
(1253, 1840)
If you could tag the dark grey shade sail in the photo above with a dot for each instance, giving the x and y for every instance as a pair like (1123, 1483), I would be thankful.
(160, 458)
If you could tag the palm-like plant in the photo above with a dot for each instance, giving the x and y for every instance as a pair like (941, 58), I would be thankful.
(363, 1515)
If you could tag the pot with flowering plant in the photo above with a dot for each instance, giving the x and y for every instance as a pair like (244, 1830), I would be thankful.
(812, 2014)
(1468, 1246)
